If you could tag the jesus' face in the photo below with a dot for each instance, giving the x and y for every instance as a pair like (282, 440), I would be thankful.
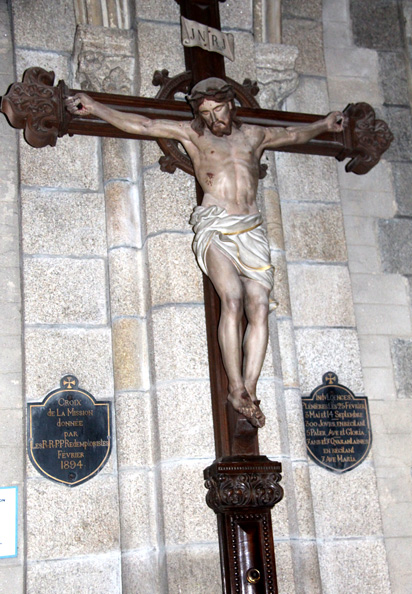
(217, 116)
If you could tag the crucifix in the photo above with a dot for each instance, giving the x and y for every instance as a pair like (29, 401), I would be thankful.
(242, 484)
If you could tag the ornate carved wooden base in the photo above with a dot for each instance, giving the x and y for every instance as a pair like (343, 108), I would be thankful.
(241, 491)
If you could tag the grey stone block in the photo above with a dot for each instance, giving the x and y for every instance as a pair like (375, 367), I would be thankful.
(394, 77)
(399, 120)
(395, 245)
(236, 14)
(374, 204)
(379, 179)
(9, 287)
(281, 286)
(305, 9)
(295, 425)
(11, 458)
(356, 89)
(63, 223)
(360, 230)
(133, 429)
(130, 354)
(11, 357)
(383, 319)
(363, 259)
(336, 10)
(138, 522)
(245, 58)
(162, 11)
(72, 163)
(124, 223)
(179, 337)
(304, 498)
(339, 509)
(380, 288)
(96, 574)
(175, 275)
(11, 318)
(186, 517)
(311, 96)
(141, 572)
(169, 200)
(336, 35)
(402, 358)
(168, 45)
(375, 351)
(40, 25)
(176, 403)
(120, 159)
(11, 578)
(11, 382)
(288, 353)
(128, 282)
(285, 566)
(50, 61)
(308, 37)
(319, 351)
(380, 32)
(354, 565)
(93, 529)
(11, 427)
(402, 173)
(353, 63)
(307, 177)
(314, 232)
(194, 569)
(52, 353)
(399, 552)
(321, 295)
(65, 291)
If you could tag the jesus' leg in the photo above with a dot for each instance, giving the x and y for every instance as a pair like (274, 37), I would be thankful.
(256, 335)
(230, 289)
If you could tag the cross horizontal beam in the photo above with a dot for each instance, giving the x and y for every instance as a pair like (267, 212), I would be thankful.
(36, 106)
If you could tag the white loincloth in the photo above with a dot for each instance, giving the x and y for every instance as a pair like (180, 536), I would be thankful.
(240, 237)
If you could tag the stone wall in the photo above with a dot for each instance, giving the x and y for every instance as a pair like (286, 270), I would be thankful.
(111, 293)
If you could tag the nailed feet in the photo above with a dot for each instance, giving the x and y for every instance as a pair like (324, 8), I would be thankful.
(242, 403)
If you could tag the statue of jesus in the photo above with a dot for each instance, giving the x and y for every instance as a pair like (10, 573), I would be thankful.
(230, 243)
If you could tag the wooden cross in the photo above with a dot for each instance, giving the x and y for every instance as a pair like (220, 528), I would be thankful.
(242, 485)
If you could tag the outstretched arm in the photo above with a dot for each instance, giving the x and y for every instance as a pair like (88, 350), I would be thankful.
(276, 137)
(82, 104)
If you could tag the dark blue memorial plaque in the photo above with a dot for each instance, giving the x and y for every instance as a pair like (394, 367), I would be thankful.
(337, 426)
(69, 434)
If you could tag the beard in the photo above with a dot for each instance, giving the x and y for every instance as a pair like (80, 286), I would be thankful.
(220, 128)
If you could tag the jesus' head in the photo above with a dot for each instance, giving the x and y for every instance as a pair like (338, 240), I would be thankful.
(212, 102)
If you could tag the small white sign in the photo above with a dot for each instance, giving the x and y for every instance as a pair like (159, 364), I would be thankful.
(8, 522)
(212, 40)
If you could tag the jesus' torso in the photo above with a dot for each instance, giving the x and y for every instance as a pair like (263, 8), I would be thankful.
(227, 167)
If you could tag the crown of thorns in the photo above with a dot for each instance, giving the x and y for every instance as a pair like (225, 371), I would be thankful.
(215, 88)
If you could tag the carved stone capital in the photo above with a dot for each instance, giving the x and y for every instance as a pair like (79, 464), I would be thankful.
(243, 484)
(277, 77)
(370, 138)
(37, 107)
(104, 59)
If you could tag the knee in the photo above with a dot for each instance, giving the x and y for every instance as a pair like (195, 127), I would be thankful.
(258, 312)
(233, 305)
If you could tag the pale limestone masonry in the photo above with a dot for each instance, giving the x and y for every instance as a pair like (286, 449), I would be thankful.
(12, 411)
(112, 294)
(365, 62)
